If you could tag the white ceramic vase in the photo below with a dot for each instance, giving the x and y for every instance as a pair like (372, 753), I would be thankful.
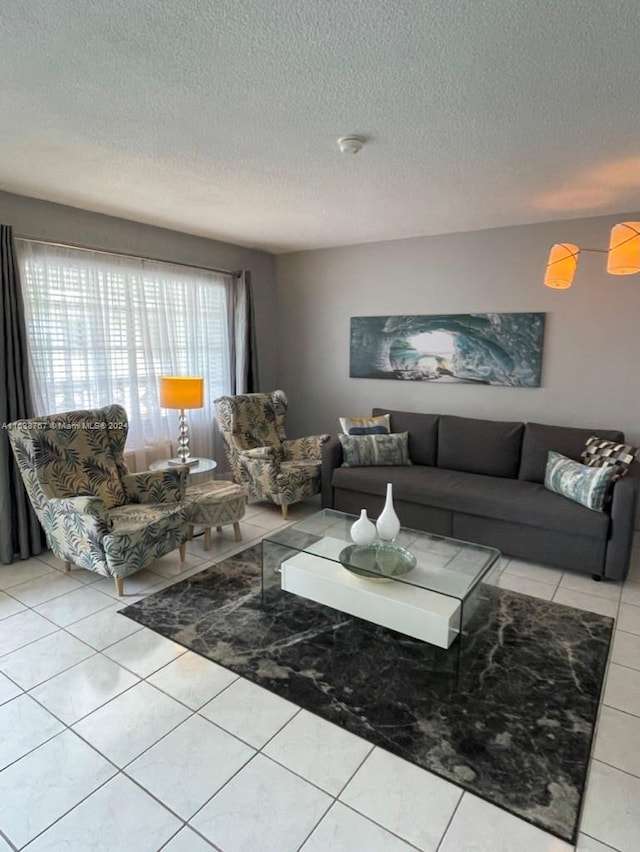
(388, 524)
(363, 530)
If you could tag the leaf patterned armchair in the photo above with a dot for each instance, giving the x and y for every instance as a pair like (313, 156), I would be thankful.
(262, 459)
(97, 515)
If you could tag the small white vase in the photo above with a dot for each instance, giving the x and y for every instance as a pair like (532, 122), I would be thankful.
(388, 524)
(363, 531)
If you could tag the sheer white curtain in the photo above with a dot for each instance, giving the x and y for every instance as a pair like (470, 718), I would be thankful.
(102, 328)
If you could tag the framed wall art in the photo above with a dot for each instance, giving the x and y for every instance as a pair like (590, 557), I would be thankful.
(488, 349)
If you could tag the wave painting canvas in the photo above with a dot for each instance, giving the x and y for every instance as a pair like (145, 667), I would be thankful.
(489, 349)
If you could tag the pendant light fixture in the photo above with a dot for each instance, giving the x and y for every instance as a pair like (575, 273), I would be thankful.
(561, 266)
(623, 256)
(624, 249)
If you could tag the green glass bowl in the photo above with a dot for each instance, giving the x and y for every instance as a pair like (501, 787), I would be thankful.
(381, 561)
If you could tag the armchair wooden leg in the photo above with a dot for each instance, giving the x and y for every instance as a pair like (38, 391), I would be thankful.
(285, 511)
(207, 538)
(67, 566)
(183, 552)
(119, 581)
(190, 532)
(237, 532)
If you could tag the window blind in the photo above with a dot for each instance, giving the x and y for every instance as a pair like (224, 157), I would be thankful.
(103, 328)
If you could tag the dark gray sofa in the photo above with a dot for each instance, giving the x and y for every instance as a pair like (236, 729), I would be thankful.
(482, 481)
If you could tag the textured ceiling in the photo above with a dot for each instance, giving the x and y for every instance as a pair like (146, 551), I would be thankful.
(219, 117)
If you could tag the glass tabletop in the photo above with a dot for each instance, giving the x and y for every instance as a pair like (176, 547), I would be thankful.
(437, 563)
(202, 465)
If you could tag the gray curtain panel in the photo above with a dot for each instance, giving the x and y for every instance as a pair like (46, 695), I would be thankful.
(245, 354)
(20, 532)
(252, 379)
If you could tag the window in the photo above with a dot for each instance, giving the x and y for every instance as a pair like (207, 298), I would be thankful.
(102, 329)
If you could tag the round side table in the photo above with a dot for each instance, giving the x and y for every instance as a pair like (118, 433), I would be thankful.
(203, 466)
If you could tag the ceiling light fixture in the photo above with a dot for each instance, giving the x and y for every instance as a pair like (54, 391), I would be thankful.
(624, 249)
(561, 266)
(623, 256)
(350, 144)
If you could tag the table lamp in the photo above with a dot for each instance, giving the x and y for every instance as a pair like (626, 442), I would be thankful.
(182, 392)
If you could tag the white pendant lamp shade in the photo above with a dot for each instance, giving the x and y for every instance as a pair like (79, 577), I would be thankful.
(561, 266)
(624, 249)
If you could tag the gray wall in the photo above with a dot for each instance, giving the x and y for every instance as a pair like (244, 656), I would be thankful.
(31, 217)
(592, 343)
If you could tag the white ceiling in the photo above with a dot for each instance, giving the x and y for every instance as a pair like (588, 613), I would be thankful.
(219, 117)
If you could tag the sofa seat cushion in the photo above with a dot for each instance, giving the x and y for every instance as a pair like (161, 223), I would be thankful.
(511, 500)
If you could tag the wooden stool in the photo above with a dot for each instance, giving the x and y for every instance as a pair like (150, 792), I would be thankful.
(215, 503)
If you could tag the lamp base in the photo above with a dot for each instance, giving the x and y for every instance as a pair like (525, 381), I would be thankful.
(190, 462)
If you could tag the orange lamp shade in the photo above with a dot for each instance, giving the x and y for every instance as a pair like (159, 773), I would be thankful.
(624, 249)
(561, 266)
(181, 392)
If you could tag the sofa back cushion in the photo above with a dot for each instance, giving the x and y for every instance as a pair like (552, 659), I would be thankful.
(423, 433)
(540, 439)
(490, 447)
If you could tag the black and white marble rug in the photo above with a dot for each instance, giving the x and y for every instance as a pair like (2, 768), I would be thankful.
(511, 718)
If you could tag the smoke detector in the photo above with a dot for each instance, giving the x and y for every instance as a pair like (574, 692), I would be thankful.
(350, 144)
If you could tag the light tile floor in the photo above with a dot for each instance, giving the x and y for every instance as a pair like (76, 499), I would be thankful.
(114, 738)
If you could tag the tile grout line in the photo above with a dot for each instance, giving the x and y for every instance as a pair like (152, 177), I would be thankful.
(9, 842)
(591, 837)
(451, 819)
(355, 772)
(378, 824)
(617, 768)
(195, 831)
(72, 808)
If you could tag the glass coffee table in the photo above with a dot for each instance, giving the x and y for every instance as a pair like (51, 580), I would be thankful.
(422, 585)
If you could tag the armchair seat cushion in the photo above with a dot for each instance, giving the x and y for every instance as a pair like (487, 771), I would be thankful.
(312, 469)
(139, 516)
(141, 533)
(300, 472)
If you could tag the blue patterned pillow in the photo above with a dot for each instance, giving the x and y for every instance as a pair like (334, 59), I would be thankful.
(370, 450)
(374, 425)
(585, 485)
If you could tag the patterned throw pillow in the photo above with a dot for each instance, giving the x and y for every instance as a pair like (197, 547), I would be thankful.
(369, 450)
(599, 452)
(366, 425)
(585, 485)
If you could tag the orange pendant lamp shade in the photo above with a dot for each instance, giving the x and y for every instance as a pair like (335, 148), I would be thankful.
(181, 392)
(561, 266)
(624, 249)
